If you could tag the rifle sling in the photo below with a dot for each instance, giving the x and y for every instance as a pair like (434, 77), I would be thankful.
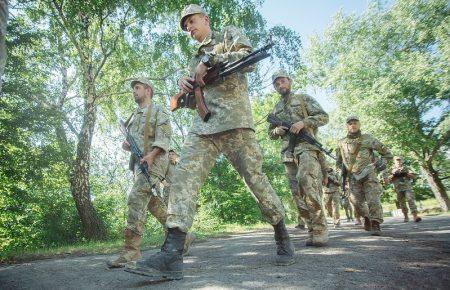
(352, 160)
(148, 130)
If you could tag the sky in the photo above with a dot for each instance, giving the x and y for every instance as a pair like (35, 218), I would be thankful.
(308, 18)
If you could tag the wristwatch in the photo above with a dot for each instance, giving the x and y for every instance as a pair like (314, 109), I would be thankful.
(206, 61)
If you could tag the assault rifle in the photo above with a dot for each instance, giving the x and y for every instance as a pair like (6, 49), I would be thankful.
(137, 153)
(302, 135)
(344, 174)
(196, 99)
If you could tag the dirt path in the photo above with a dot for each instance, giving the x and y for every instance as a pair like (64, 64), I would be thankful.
(407, 256)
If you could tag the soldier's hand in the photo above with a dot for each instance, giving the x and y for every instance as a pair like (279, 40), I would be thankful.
(296, 127)
(185, 84)
(126, 146)
(200, 72)
(150, 159)
(280, 130)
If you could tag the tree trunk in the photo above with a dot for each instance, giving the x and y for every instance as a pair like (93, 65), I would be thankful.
(436, 185)
(93, 227)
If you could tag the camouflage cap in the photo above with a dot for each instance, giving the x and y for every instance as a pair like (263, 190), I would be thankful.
(352, 118)
(189, 10)
(280, 74)
(397, 158)
(144, 81)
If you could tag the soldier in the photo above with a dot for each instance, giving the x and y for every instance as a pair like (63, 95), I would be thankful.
(149, 125)
(331, 197)
(307, 114)
(229, 130)
(401, 176)
(356, 152)
(345, 203)
(3, 21)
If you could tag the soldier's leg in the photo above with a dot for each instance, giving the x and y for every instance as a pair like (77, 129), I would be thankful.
(309, 178)
(328, 204)
(197, 157)
(158, 209)
(372, 192)
(401, 198)
(242, 150)
(412, 205)
(291, 172)
(336, 208)
(138, 200)
(357, 199)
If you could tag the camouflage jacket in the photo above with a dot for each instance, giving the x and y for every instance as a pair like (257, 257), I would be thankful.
(293, 110)
(404, 182)
(363, 162)
(160, 133)
(227, 99)
(331, 186)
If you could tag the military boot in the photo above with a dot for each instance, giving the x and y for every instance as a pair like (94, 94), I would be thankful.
(167, 264)
(375, 229)
(367, 224)
(417, 218)
(320, 239)
(130, 253)
(190, 237)
(285, 248)
(406, 219)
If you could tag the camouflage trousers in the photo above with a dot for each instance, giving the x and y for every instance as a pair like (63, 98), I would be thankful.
(309, 177)
(198, 156)
(345, 203)
(369, 190)
(291, 171)
(407, 195)
(331, 201)
(140, 200)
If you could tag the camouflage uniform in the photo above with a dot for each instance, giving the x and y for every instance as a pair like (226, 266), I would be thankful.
(363, 181)
(150, 127)
(3, 21)
(403, 188)
(309, 171)
(345, 203)
(168, 181)
(140, 197)
(230, 130)
(331, 197)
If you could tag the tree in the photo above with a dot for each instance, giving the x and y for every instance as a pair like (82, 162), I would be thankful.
(390, 66)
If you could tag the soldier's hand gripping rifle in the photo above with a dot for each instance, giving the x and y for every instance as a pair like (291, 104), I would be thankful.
(302, 135)
(219, 71)
(137, 154)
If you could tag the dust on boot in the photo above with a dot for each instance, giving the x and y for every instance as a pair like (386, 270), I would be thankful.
(131, 251)
(285, 248)
(167, 264)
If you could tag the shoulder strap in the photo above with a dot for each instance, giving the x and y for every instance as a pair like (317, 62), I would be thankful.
(353, 160)
(148, 130)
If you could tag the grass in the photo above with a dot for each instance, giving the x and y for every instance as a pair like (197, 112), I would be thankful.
(427, 207)
(110, 247)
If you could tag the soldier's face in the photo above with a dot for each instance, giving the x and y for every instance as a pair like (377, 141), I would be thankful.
(353, 126)
(398, 162)
(172, 157)
(197, 26)
(140, 92)
(283, 85)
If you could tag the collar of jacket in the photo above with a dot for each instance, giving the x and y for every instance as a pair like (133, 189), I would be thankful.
(210, 39)
(354, 135)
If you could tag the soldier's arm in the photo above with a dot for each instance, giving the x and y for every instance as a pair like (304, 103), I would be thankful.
(316, 115)
(163, 130)
(382, 149)
(338, 158)
(234, 47)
